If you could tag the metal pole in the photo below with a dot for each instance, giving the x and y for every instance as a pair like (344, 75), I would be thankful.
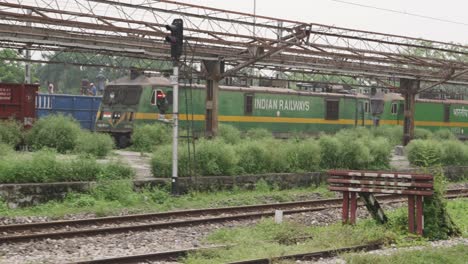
(27, 70)
(175, 118)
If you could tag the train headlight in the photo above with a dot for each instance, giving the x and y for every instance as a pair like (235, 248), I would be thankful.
(112, 95)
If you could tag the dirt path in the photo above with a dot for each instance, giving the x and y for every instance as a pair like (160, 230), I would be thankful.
(140, 163)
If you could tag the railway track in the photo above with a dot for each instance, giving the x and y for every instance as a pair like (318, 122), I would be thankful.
(177, 254)
(141, 222)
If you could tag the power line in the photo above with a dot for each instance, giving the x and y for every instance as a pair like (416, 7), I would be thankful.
(402, 12)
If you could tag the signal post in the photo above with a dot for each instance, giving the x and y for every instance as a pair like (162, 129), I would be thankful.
(176, 41)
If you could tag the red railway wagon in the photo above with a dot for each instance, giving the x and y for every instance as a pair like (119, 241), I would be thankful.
(17, 101)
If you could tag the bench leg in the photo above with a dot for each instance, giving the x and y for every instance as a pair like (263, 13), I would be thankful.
(345, 211)
(419, 215)
(411, 214)
(353, 207)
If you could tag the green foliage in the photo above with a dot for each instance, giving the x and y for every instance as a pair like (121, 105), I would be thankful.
(229, 134)
(437, 222)
(11, 71)
(253, 157)
(422, 133)
(10, 132)
(214, 157)
(380, 151)
(146, 137)
(44, 166)
(161, 161)
(97, 144)
(5, 150)
(307, 156)
(394, 134)
(54, 131)
(454, 255)
(454, 153)
(424, 153)
(116, 190)
(355, 154)
(258, 133)
(330, 152)
(444, 134)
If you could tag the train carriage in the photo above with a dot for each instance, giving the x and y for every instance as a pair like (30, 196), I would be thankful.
(128, 102)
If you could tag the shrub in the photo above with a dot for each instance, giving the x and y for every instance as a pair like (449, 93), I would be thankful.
(307, 156)
(444, 134)
(422, 133)
(330, 149)
(424, 153)
(116, 190)
(394, 134)
(253, 157)
(214, 157)
(96, 144)
(5, 150)
(44, 166)
(161, 161)
(258, 133)
(54, 131)
(355, 154)
(229, 134)
(454, 153)
(145, 137)
(380, 150)
(10, 132)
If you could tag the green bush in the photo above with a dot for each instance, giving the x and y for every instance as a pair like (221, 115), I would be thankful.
(307, 156)
(454, 153)
(380, 151)
(444, 134)
(424, 153)
(5, 150)
(355, 154)
(214, 157)
(96, 144)
(394, 134)
(258, 133)
(116, 190)
(253, 157)
(10, 132)
(54, 131)
(422, 133)
(44, 166)
(330, 149)
(145, 137)
(229, 134)
(161, 161)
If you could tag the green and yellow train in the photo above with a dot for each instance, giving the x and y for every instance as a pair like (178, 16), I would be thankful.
(127, 102)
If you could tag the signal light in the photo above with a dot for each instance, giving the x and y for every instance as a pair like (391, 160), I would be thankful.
(176, 39)
(159, 99)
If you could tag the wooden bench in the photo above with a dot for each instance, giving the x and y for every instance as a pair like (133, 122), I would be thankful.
(367, 183)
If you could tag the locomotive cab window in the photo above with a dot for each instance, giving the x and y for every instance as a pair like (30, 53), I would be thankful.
(394, 109)
(446, 113)
(332, 109)
(366, 107)
(248, 104)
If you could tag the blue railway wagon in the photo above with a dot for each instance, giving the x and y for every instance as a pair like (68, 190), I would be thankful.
(82, 108)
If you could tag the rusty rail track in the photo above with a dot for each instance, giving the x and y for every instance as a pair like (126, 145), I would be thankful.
(177, 254)
(239, 213)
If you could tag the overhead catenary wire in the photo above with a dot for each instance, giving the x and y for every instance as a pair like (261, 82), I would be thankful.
(395, 11)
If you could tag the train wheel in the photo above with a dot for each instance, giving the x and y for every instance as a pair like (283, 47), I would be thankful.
(123, 141)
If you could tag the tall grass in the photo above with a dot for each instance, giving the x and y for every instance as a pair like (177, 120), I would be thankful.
(96, 144)
(45, 166)
(146, 137)
(10, 132)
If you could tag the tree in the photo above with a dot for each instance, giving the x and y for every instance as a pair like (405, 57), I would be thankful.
(11, 71)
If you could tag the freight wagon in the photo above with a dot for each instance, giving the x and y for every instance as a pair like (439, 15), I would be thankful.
(23, 103)
(128, 102)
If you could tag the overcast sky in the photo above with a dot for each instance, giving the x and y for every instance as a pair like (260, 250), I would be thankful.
(331, 12)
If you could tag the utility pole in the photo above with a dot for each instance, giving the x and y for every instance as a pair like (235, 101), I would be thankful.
(27, 68)
(409, 89)
(176, 41)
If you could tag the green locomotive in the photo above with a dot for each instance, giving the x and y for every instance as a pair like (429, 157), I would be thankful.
(129, 102)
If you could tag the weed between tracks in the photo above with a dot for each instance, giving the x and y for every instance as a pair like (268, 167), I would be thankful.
(267, 239)
(117, 197)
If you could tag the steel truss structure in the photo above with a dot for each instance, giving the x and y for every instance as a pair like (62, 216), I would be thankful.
(136, 29)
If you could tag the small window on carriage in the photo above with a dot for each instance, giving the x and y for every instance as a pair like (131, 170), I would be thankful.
(248, 104)
(332, 109)
(169, 97)
(131, 117)
(394, 109)
(366, 107)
